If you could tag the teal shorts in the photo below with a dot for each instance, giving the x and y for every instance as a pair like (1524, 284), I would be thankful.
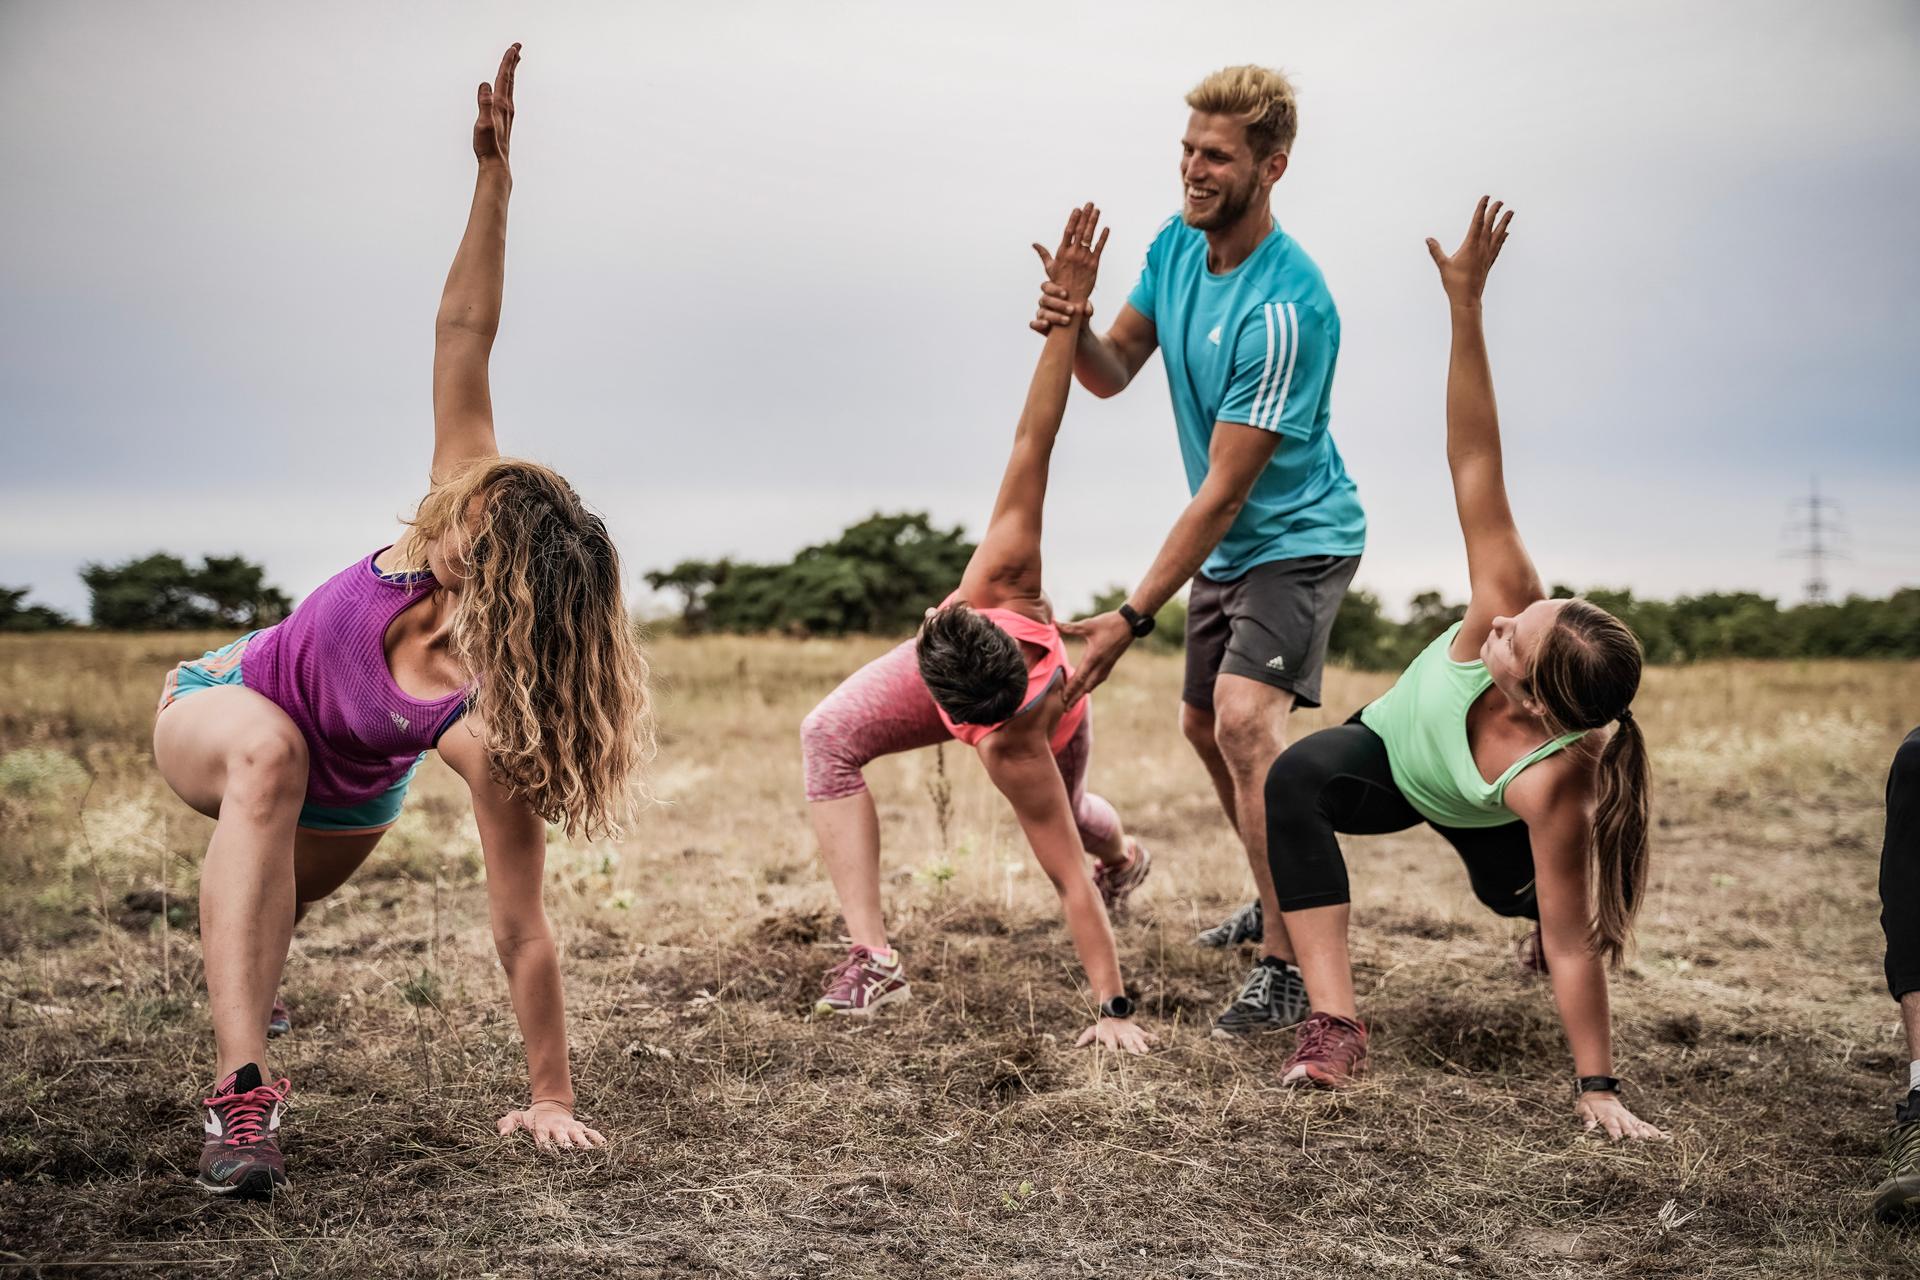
(222, 667)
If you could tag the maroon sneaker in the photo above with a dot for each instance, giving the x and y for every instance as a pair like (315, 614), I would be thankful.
(279, 1022)
(862, 983)
(1332, 1053)
(1116, 884)
(241, 1153)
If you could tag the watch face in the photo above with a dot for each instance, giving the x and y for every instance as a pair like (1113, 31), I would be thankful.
(1118, 1007)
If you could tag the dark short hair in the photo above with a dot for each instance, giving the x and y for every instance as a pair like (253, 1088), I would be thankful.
(973, 669)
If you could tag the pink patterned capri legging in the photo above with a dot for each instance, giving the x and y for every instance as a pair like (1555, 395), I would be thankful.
(884, 707)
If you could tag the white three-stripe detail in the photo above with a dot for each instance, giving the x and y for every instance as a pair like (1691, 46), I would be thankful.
(1292, 328)
(1266, 371)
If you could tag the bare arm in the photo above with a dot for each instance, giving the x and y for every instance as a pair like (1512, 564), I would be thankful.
(1237, 456)
(1006, 564)
(1021, 766)
(469, 314)
(1501, 575)
(1555, 799)
(513, 840)
(1105, 364)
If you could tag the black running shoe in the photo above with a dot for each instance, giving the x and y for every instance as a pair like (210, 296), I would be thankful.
(1273, 998)
(1243, 925)
(1899, 1195)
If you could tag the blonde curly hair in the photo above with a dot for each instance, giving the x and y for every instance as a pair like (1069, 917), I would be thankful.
(560, 682)
(1259, 97)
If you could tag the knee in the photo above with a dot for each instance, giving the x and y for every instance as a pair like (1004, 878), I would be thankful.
(1292, 787)
(267, 771)
(1248, 741)
(1197, 727)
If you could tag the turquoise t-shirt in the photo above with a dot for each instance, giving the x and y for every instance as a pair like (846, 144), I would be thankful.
(1256, 345)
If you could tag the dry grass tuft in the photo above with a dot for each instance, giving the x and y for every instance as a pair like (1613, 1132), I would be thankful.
(962, 1137)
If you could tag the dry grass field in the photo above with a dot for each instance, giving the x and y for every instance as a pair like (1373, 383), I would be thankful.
(962, 1136)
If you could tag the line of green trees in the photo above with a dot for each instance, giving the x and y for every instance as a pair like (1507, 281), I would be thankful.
(880, 574)
(161, 592)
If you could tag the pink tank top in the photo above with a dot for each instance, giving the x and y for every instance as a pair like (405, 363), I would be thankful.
(1041, 677)
(326, 667)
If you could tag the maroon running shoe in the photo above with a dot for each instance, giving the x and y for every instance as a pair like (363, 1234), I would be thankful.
(862, 983)
(1332, 1053)
(1116, 884)
(241, 1154)
(279, 1022)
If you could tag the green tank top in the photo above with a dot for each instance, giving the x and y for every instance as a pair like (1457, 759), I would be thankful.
(1423, 721)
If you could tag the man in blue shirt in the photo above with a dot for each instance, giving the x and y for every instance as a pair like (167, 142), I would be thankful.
(1273, 534)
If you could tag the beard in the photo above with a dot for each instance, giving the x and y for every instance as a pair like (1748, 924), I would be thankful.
(1227, 207)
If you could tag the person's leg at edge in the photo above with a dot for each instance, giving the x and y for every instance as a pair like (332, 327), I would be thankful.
(1898, 1194)
(1250, 727)
(882, 708)
(234, 756)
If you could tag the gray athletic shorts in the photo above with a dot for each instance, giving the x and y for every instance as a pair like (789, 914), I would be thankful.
(1271, 625)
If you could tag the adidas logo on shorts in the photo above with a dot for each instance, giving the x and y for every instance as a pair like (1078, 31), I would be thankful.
(1277, 663)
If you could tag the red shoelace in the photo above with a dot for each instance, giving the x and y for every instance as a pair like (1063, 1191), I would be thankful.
(244, 1115)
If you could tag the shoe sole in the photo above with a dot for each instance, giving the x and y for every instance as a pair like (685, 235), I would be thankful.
(1321, 1078)
(258, 1185)
(277, 1029)
(825, 1010)
(1897, 1197)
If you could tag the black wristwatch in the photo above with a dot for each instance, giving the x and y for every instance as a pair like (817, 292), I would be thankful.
(1596, 1084)
(1141, 624)
(1117, 1007)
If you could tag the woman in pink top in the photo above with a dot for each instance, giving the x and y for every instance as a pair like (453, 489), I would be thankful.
(989, 669)
(494, 632)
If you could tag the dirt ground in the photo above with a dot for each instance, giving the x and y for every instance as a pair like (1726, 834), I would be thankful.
(960, 1135)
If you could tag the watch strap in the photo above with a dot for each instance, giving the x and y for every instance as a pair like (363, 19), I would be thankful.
(1596, 1084)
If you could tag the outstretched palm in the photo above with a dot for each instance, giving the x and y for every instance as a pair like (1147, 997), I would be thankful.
(1075, 265)
(493, 131)
(1463, 274)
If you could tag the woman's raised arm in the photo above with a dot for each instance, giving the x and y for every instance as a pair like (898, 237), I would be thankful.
(1006, 565)
(470, 304)
(1502, 575)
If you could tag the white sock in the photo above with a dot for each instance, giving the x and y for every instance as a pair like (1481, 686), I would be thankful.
(1913, 1076)
(883, 955)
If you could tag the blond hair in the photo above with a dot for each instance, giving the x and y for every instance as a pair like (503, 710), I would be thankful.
(1260, 98)
(560, 683)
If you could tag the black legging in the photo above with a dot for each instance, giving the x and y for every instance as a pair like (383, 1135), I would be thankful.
(1900, 870)
(1338, 780)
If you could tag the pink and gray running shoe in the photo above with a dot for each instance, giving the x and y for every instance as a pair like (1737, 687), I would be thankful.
(862, 983)
(241, 1153)
(1117, 885)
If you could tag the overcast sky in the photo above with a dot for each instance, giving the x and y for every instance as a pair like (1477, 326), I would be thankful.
(768, 270)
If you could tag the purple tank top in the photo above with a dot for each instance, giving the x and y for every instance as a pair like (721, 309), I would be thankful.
(326, 667)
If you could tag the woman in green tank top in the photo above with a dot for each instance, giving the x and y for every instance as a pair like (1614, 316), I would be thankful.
(1510, 735)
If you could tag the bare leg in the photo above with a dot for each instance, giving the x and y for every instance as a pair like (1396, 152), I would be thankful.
(1250, 725)
(849, 833)
(1910, 1017)
(1319, 937)
(233, 755)
(1197, 725)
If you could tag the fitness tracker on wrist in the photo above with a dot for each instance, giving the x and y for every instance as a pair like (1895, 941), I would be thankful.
(1141, 624)
(1596, 1084)
(1117, 1007)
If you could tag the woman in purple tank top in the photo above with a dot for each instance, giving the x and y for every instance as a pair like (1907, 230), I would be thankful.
(494, 631)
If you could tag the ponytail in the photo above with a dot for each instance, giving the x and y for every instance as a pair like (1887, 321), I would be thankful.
(1620, 840)
(1586, 673)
